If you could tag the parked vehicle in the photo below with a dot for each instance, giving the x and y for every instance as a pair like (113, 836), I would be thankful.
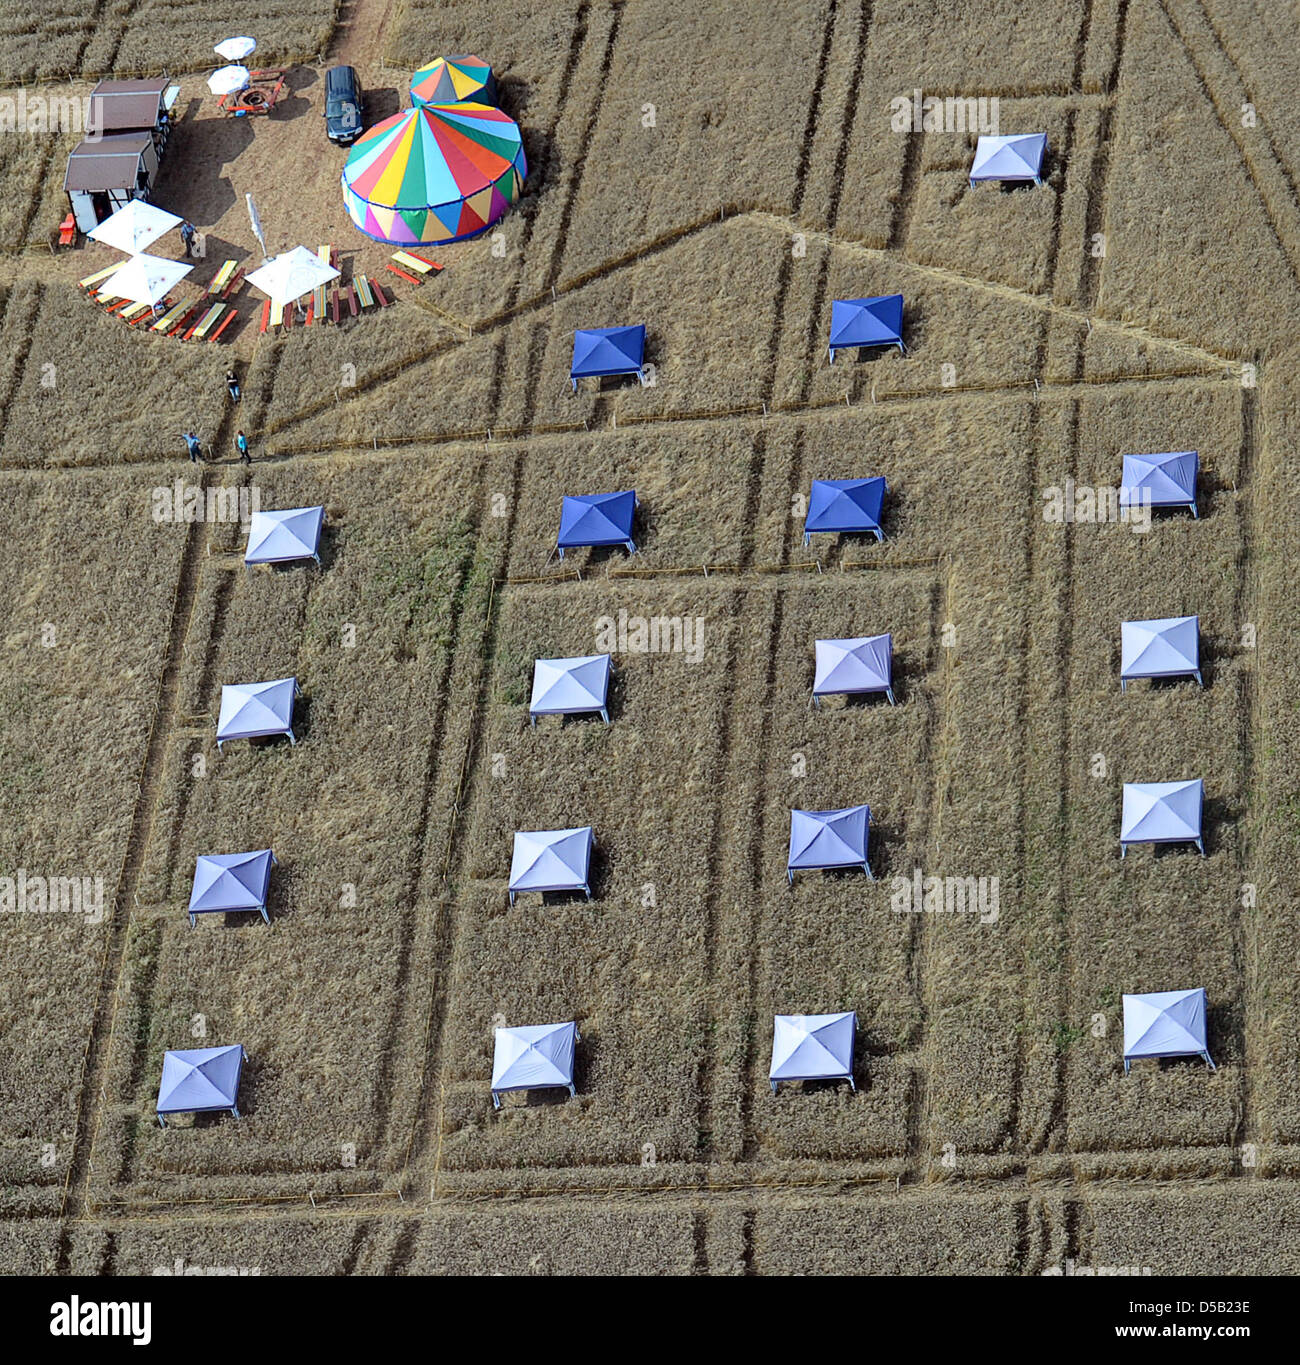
(344, 105)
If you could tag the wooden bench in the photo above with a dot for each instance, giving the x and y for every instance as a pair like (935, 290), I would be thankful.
(277, 313)
(203, 326)
(225, 322)
(235, 281)
(350, 294)
(179, 327)
(397, 270)
(334, 305)
(327, 255)
(266, 316)
(419, 264)
(171, 317)
(363, 290)
(100, 275)
(318, 304)
(134, 310)
(378, 292)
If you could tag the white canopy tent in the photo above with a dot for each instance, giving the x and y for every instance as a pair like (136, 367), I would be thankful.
(1162, 813)
(145, 279)
(533, 1057)
(134, 227)
(281, 537)
(552, 860)
(226, 882)
(849, 667)
(1166, 648)
(1165, 1024)
(569, 687)
(292, 274)
(813, 1047)
(250, 710)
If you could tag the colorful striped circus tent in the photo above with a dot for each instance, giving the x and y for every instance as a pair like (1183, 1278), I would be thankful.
(435, 173)
(454, 80)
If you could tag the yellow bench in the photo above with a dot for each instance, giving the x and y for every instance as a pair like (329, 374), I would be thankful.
(171, 317)
(204, 326)
(412, 262)
(222, 278)
(100, 275)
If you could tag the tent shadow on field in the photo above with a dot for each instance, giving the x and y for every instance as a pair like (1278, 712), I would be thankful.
(302, 707)
(188, 182)
(292, 103)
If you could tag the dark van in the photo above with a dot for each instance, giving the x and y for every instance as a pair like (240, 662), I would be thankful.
(343, 105)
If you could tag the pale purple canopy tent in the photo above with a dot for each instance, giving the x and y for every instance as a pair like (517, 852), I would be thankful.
(863, 664)
(552, 860)
(1165, 1024)
(250, 710)
(533, 1057)
(227, 882)
(1169, 647)
(200, 1080)
(1162, 813)
(825, 839)
(812, 1047)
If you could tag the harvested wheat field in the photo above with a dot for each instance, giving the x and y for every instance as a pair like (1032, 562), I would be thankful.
(721, 175)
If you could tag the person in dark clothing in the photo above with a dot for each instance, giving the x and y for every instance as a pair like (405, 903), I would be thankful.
(241, 445)
(232, 386)
(192, 445)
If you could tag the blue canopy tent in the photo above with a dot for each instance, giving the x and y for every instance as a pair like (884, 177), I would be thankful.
(1165, 1024)
(225, 882)
(200, 1081)
(568, 687)
(250, 710)
(533, 1057)
(600, 351)
(845, 505)
(281, 537)
(1162, 813)
(812, 1047)
(1167, 479)
(597, 519)
(865, 664)
(857, 323)
(1014, 157)
(551, 860)
(823, 839)
(1166, 648)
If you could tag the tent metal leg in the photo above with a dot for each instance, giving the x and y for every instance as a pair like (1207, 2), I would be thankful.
(1123, 685)
(234, 1111)
(889, 692)
(1199, 678)
(1195, 514)
(1200, 843)
(1208, 1061)
(774, 1087)
(496, 1099)
(162, 1122)
(604, 714)
(265, 916)
(191, 921)
(573, 1090)
(291, 738)
(512, 897)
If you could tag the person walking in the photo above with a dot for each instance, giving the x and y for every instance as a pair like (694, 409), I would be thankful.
(192, 445)
(187, 237)
(241, 445)
(232, 385)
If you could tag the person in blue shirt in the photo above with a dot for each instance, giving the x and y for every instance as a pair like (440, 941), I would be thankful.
(241, 445)
(192, 445)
